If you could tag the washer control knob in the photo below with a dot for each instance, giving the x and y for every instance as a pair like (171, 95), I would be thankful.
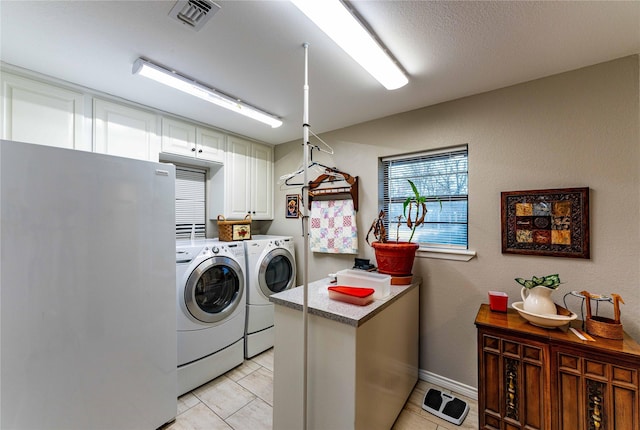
(215, 250)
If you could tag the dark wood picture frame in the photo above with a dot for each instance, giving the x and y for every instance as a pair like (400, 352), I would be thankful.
(553, 222)
(292, 207)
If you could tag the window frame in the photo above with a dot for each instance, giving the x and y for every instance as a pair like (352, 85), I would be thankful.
(428, 249)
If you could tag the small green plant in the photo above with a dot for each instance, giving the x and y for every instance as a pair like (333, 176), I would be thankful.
(420, 204)
(549, 281)
(414, 210)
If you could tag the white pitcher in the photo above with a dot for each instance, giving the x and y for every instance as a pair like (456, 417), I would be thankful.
(537, 300)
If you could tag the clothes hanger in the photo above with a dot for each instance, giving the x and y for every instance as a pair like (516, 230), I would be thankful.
(331, 174)
(319, 167)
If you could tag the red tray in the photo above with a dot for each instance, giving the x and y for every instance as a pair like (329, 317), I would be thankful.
(354, 295)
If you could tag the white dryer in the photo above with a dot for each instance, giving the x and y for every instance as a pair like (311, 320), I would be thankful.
(271, 268)
(210, 279)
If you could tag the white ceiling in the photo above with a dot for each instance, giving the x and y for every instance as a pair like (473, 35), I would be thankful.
(253, 51)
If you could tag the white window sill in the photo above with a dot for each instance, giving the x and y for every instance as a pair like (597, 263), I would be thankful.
(446, 253)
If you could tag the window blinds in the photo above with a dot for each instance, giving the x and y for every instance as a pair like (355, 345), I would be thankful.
(190, 202)
(441, 176)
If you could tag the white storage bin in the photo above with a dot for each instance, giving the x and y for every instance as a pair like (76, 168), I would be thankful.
(360, 278)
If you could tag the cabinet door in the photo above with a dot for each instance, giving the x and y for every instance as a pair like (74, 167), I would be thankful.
(512, 384)
(178, 137)
(570, 391)
(36, 112)
(596, 394)
(125, 131)
(262, 182)
(210, 145)
(490, 381)
(237, 176)
(248, 187)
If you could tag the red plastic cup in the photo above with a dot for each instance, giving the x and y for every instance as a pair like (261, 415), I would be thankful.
(498, 301)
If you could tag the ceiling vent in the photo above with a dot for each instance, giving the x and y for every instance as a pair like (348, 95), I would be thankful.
(194, 13)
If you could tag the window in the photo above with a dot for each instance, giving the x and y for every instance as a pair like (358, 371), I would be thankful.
(190, 201)
(441, 176)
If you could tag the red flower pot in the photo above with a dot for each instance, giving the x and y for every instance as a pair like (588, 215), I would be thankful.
(395, 258)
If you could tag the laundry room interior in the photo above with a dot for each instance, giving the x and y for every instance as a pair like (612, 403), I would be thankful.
(385, 215)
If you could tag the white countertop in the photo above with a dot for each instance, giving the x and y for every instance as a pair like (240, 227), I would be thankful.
(320, 304)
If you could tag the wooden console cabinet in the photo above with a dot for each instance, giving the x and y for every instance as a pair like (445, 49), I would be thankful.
(535, 378)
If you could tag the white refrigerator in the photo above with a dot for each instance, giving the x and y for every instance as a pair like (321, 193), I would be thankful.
(87, 290)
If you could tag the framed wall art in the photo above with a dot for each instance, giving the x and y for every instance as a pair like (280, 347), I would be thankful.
(293, 206)
(552, 222)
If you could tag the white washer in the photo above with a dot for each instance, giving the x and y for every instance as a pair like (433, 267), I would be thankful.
(271, 268)
(210, 280)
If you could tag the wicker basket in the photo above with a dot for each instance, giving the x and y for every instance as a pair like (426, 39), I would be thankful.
(601, 326)
(234, 229)
(604, 327)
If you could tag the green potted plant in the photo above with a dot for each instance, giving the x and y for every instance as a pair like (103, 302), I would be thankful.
(396, 257)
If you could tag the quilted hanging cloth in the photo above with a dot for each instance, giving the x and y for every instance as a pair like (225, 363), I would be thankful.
(333, 227)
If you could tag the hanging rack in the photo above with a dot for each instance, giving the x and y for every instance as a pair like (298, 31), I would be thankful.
(332, 175)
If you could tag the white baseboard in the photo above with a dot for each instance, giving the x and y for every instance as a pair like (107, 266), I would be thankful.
(449, 384)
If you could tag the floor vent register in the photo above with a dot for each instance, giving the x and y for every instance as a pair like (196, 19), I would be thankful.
(445, 406)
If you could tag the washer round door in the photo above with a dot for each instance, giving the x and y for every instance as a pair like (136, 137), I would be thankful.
(214, 289)
(277, 272)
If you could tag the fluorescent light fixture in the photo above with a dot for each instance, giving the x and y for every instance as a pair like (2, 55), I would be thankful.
(348, 32)
(189, 86)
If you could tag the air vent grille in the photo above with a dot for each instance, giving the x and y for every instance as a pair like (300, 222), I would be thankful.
(194, 13)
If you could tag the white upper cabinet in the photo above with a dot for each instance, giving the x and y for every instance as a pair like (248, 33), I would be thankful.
(34, 110)
(46, 114)
(210, 144)
(262, 181)
(125, 131)
(248, 181)
(178, 137)
(237, 179)
(187, 140)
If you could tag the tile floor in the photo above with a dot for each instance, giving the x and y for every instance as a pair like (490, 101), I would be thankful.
(242, 399)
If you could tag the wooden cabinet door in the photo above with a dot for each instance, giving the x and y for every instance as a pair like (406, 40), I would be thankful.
(595, 393)
(569, 392)
(513, 384)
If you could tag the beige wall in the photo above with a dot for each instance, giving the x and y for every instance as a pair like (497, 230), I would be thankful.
(580, 128)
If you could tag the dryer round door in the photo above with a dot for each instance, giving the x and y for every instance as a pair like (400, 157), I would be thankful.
(277, 272)
(214, 289)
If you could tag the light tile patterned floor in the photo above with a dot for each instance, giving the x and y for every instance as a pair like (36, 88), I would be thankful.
(242, 399)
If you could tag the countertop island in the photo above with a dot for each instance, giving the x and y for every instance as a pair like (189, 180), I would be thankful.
(362, 360)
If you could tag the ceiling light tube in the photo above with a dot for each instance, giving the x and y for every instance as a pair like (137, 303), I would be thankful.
(175, 80)
(348, 32)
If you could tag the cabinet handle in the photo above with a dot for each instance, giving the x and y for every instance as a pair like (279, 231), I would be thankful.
(595, 407)
(511, 382)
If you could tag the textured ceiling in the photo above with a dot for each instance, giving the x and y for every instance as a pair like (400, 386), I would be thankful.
(253, 51)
